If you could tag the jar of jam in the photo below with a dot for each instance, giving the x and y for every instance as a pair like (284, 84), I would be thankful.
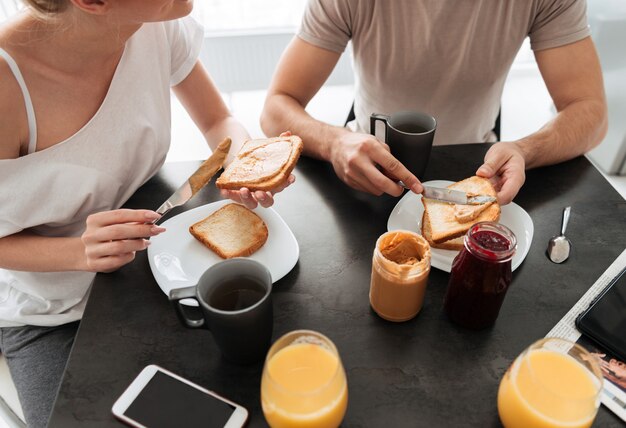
(400, 268)
(480, 275)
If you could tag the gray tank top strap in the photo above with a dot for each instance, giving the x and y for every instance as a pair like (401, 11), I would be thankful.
(30, 111)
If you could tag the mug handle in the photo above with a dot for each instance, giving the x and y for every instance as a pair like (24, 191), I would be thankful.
(179, 294)
(373, 118)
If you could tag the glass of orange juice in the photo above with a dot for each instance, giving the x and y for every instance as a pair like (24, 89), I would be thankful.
(554, 383)
(304, 383)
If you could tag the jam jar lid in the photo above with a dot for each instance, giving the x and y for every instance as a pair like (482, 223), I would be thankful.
(491, 241)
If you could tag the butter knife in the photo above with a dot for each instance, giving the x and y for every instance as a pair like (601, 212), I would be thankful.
(455, 196)
(198, 179)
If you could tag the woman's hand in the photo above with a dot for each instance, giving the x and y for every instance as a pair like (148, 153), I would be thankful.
(112, 238)
(252, 199)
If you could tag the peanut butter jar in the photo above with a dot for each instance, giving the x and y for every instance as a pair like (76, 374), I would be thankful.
(400, 268)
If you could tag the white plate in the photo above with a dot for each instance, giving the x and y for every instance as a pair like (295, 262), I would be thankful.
(177, 259)
(407, 214)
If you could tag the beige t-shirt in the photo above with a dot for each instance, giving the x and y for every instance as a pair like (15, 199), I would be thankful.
(448, 58)
(52, 191)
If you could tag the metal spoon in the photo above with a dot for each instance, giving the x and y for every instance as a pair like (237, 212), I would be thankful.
(559, 246)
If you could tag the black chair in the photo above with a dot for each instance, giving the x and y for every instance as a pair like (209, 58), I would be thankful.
(496, 126)
(351, 115)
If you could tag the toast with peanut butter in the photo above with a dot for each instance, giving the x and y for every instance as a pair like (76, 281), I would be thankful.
(262, 164)
(444, 224)
(451, 244)
(231, 231)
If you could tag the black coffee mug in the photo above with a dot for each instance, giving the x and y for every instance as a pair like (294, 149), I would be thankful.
(235, 299)
(410, 136)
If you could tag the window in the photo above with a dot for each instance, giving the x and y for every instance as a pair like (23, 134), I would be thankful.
(220, 15)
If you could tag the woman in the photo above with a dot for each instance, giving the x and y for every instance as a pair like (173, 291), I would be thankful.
(84, 121)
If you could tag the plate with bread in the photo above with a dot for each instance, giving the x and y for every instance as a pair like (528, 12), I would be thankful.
(199, 238)
(444, 224)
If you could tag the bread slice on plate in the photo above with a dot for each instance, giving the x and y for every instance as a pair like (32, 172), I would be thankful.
(262, 164)
(444, 224)
(455, 244)
(231, 231)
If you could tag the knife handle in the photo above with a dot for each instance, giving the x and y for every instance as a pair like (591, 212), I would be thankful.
(162, 210)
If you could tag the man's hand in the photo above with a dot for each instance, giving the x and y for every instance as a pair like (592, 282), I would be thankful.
(366, 164)
(504, 166)
(113, 237)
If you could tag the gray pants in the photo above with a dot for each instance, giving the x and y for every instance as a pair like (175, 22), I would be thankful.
(36, 357)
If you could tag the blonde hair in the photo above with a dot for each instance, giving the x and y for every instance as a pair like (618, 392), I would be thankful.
(47, 7)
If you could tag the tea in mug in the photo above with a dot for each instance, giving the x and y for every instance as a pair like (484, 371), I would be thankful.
(410, 128)
(236, 294)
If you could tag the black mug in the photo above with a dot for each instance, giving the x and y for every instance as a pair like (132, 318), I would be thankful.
(235, 299)
(409, 135)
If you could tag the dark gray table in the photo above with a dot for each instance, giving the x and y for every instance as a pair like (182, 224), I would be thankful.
(425, 372)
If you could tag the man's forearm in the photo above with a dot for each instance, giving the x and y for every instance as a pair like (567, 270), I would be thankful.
(283, 113)
(28, 252)
(574, 131)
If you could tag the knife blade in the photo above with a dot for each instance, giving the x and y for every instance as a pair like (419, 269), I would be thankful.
(198, 179)
(455, 196)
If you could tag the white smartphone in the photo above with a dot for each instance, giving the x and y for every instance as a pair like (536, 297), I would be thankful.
(159, 398)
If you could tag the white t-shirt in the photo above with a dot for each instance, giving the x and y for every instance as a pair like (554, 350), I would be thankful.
(51, 192)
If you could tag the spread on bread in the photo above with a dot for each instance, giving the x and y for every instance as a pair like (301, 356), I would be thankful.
(444, 224)
(465, 213)
(262, 164)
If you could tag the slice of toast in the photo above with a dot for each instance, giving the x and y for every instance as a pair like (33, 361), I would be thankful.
(262, 164)
(231, 231)
(455, 244)
(445, 221)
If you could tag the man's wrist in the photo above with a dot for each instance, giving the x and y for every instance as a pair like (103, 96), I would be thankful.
(525, 147)
(332, 138)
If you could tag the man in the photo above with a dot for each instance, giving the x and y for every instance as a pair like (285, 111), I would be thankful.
(449, 59)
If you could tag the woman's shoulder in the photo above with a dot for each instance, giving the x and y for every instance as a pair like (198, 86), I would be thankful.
(13, 120)
(12, 111)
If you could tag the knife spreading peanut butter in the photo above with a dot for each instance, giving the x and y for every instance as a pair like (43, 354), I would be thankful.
(210, 166)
